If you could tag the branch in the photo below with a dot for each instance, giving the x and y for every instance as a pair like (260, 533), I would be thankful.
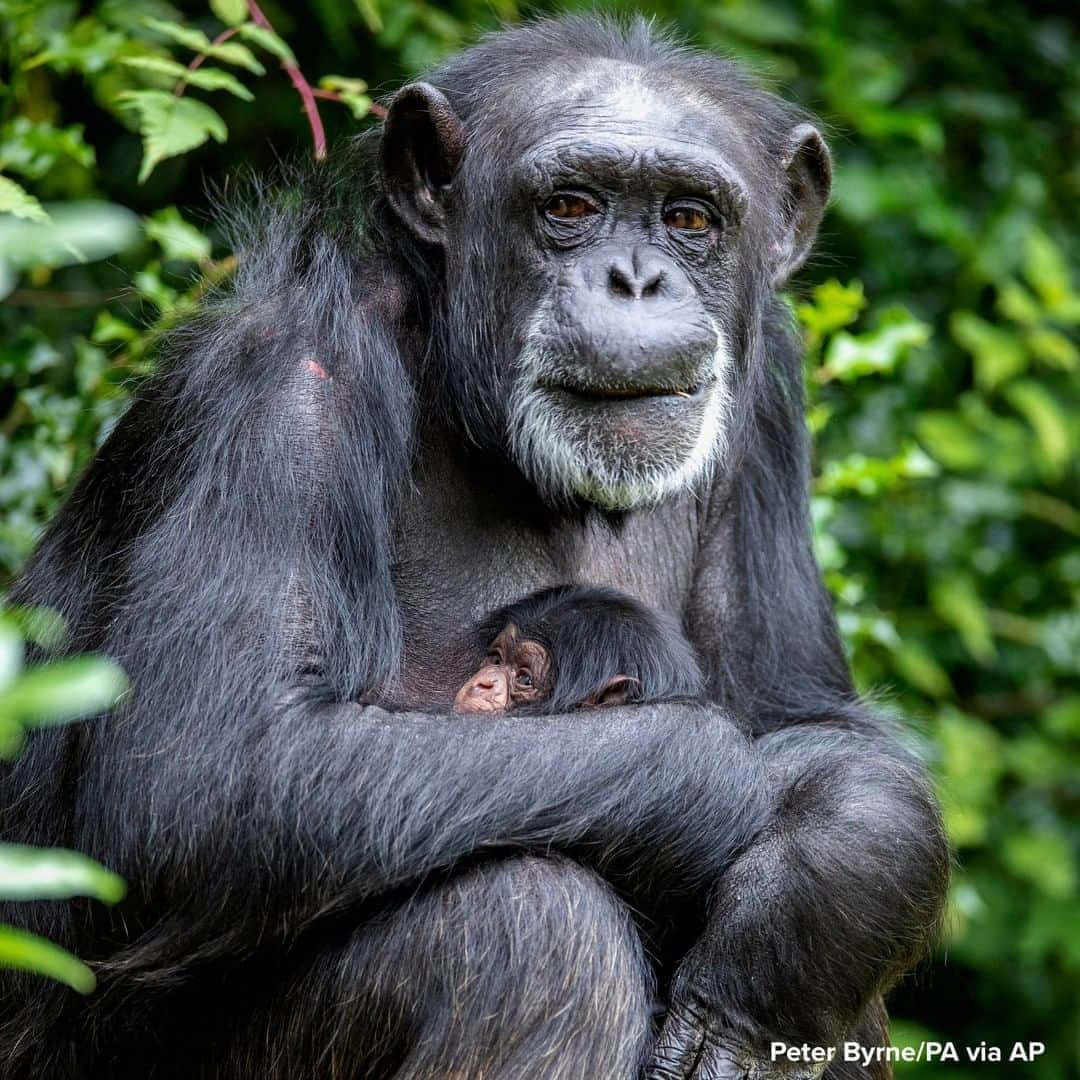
(199, 60)
(303, 87)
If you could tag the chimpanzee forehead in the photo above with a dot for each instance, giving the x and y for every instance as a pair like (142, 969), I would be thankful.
(615, 109)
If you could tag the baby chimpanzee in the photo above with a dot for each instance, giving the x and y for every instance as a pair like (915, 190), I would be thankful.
(571, 645)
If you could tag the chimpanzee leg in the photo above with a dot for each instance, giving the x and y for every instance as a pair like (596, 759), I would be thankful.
(525, 968)
(871, 1033)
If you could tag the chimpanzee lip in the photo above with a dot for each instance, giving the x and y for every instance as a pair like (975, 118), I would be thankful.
(601, 394)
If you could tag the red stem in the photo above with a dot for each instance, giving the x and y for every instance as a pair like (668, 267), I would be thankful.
(303, 87)
(199, 60)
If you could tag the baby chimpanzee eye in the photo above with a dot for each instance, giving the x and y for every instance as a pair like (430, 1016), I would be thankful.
(524, 678)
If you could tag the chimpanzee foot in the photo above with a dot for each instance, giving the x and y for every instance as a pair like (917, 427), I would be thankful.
(689, 1048)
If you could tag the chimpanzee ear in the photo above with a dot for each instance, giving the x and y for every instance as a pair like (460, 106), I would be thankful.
(422, 144)
(805, 189)
(618, 690)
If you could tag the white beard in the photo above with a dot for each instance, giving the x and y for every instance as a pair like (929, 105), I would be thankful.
(561, 460)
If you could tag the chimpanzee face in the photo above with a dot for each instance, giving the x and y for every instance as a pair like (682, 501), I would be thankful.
(516, 671)
(600, 257)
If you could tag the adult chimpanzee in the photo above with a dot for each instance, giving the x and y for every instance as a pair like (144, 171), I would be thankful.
(543, 347)
(572, 645)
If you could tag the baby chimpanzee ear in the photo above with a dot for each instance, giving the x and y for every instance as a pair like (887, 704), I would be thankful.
(618, 690)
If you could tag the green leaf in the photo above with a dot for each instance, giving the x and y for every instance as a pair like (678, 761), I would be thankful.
(205, 78)
(872, 476)
(1016, 303)
(1046, 269)
(230, 12)
(34, 148)
(1038, 406)
(351, 92)
(63, 690)
(999, 354)
(28, 952)
(177, 238)
(1043, 858)
(369, 12)
(28, 873)
(835, 306)
(171, 125)
(950, 439)
(228, 52)
(14, 199)
(11, 651)
(76, 232)
(957, 602)
(268, 40)
(877, 352)
(920, 669)
(343, 84)
(1053, 348)
(971, 766)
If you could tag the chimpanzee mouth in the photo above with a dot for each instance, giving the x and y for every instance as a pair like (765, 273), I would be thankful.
(599, 395)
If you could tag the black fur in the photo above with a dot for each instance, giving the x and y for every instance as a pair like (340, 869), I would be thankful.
(289, 530)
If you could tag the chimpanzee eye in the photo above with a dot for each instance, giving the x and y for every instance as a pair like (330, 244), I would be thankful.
(565, 207)
(524, 677)
(494, 657)
(687, 218)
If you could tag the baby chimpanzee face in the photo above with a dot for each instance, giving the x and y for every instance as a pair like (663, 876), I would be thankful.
(515, 671)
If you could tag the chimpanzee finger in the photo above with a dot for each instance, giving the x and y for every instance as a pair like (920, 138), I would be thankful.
(678, 1047)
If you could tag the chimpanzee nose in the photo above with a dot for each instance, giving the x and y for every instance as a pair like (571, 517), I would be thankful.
(638, 275)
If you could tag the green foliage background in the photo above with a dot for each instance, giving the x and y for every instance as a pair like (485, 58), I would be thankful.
(943, 363)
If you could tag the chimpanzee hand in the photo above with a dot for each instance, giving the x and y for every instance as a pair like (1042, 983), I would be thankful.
(701, 1039)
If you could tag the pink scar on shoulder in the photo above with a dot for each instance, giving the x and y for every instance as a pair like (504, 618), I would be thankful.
(316, 368)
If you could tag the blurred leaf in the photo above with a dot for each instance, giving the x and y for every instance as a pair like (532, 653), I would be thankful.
(74, 233)
(920, 669)
(872, 476)
(27, 952)
(1053, 348)
(950, 439)
(1064, 718)
(177, 238)
(1046, 416)
(876, 352)
(34, 149)
(1044, 859)
(11, 652)
(63, 690)
(1046, 269)
(957, 602)
(971, 767)
(369, 12)
(28, 873)
(998, 354)
(230, 12)
(15, 200)
(835, 306)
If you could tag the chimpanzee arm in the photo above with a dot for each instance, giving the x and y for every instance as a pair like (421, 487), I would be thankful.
(230, 548)
(842, 893)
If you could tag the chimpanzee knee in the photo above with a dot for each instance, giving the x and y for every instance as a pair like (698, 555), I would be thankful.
(523, 968)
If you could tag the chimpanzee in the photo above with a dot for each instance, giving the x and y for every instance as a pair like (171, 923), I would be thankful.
(526, 333)
(572, 645)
